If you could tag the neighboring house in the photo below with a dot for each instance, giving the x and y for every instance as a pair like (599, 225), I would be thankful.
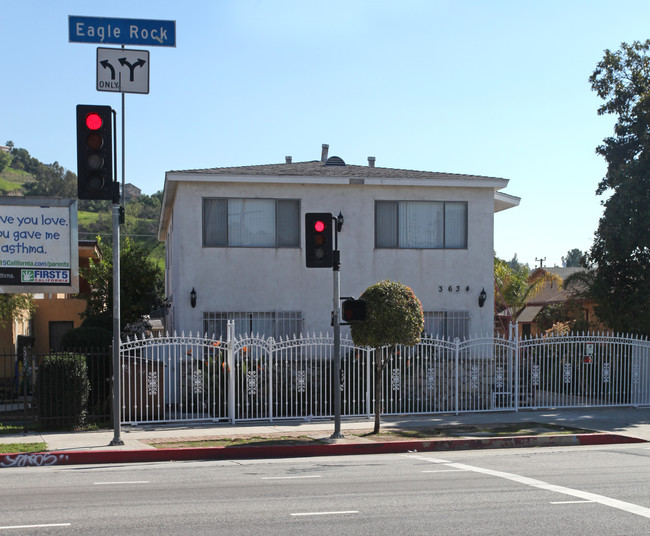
(235, 236)
(131, 191)
(56, 314)
(556, 294)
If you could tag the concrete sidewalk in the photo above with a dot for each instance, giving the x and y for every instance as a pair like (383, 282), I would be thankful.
(612, 425)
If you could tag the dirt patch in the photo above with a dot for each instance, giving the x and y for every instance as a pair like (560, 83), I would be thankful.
(232, 441)
(391, 434)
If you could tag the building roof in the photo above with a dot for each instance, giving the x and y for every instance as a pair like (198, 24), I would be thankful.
(316, 168)
(320, 172)
(529, 313)
(552, 292)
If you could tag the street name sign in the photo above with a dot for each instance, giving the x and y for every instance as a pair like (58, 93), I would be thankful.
(134, 32)
(123, 71)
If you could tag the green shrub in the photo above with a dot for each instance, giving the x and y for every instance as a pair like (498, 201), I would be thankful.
(394, 316)
(86, 337)
(62, 391)
(102, 320)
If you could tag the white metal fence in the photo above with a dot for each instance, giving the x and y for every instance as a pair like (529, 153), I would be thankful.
(241, 378)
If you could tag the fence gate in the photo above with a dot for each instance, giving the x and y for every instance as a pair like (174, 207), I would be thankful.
(173, 379)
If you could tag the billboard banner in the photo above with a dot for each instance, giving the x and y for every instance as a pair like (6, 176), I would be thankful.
(38, 245)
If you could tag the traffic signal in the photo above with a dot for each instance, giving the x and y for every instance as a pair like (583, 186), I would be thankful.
(353, 310)
(94, 152)
(318, 240)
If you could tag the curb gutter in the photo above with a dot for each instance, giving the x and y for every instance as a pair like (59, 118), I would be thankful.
(297, 451)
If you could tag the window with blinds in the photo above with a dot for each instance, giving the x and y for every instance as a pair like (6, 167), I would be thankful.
(421, 224)
(232, 222)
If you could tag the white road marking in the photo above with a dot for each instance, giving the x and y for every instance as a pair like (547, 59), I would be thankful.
(540, 484)
(289, 477)
(326, 513)
(445, 471)
(120, 483)
(570, 502)
(35, 526)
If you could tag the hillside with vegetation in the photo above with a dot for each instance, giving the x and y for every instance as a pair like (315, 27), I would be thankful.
(23, 175)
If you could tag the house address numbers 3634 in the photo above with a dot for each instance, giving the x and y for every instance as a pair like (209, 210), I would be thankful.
(453, 288)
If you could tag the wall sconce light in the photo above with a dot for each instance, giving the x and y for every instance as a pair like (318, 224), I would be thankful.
(193, 297)
(481, 298)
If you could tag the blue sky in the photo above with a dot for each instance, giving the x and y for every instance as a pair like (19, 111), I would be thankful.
(494, 88)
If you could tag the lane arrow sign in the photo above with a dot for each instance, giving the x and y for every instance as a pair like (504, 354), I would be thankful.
(122, 71)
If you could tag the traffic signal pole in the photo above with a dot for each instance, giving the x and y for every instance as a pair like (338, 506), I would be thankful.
(321, 253)
(336, 302)
(336, 317)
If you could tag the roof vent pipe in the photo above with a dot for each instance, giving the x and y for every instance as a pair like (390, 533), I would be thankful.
(371, 161)
(287, 159)
(323, 154)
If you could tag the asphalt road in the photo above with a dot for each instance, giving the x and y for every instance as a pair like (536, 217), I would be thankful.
(582, 490)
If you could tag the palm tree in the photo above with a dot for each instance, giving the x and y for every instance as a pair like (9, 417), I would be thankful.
(513, 288)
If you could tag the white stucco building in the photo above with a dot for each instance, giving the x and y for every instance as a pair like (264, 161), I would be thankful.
(235, 235)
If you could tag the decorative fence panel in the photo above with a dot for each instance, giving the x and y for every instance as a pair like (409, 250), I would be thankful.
(585, 370)
(173, 379)
(253, 378)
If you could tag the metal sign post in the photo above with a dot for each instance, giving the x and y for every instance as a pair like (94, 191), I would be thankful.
(336, 321)
(117, 440)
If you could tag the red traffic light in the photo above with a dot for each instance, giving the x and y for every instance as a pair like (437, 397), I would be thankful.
(94, 121)
(318, 240)
(95, 152)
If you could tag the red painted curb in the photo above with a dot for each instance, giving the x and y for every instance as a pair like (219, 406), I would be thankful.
(298, 451)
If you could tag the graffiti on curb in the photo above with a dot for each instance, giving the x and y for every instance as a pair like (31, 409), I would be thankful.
(24, 460)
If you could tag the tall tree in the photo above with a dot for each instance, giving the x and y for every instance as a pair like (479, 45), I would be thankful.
(620, 253)
(52, 180)
(513, 287)
(574, 258)
(141, 282)
(21, 159)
